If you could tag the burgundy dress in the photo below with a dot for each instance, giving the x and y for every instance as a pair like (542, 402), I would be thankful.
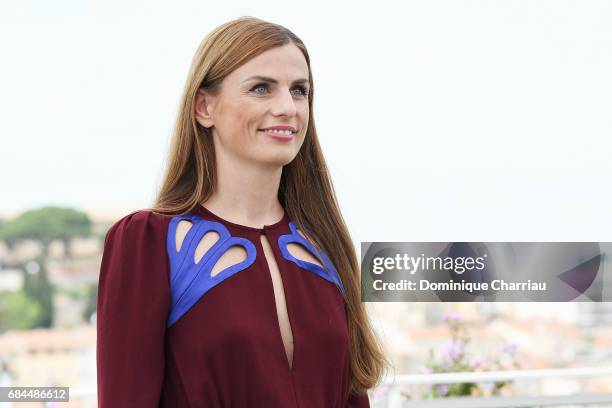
(170, 335)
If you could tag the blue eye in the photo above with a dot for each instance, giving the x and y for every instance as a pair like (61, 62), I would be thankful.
(303, 90)
(259, 86)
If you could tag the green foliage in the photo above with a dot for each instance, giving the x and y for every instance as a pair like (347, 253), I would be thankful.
(46, 224)
(37, 286)
(102, 230)
(454, 358)
(32, 306)
(18, 311)
(90, 302)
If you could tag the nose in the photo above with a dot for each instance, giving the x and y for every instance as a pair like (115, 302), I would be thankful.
(284, 104)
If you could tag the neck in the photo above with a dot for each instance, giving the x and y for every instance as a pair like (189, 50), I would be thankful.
(246, 193)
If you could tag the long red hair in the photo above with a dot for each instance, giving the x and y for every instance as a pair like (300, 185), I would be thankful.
(306, 191)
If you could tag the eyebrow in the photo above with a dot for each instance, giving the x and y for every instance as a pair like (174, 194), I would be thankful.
(274, 81)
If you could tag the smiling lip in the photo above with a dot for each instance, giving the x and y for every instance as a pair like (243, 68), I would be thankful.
(279, 136)
(281, 127)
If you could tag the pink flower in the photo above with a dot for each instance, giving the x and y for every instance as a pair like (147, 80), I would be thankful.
(452, 348)
(508, 347)
(441, 389)
(478, 361)
(452, 316)
(381, 390)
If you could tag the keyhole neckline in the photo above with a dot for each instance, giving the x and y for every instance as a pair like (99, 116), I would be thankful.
(201, 210)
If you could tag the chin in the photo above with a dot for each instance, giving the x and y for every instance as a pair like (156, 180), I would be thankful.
(280, 159)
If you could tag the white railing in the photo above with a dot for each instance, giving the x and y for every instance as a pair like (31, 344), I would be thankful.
(394, 398)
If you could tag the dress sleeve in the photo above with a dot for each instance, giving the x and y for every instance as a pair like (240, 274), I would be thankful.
(358, 401)
(132, 307)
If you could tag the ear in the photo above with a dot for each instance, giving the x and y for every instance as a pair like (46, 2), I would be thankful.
(204, 108)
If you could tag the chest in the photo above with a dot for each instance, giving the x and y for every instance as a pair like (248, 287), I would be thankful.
(272, 309)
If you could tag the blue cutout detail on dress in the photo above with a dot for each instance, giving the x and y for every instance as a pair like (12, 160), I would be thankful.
(190, 281)
(295, 236)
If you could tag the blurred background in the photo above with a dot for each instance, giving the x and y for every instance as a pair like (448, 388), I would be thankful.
(441, 121)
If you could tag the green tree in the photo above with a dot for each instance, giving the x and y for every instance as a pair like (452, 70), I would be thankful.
(90, 301)
(18, 311)
(37, 286)
(47, 224)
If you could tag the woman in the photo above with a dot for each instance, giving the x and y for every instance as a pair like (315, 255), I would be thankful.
(240, 287)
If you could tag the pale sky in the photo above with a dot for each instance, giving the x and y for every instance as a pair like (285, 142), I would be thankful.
(440, 120)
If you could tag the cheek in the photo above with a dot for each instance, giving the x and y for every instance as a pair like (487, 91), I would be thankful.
(247, 118)
(239, 122)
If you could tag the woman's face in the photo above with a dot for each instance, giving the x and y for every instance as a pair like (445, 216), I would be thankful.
(268, 91)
